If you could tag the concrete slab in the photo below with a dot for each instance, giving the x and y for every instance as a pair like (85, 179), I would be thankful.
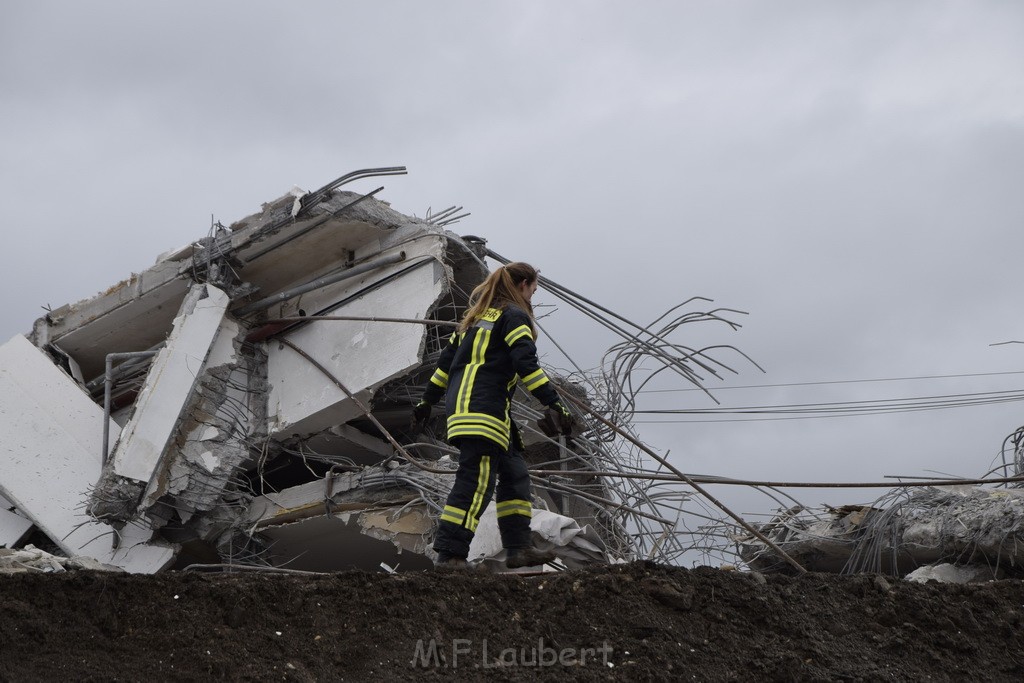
(132, 315)
(207, 456)
(50, 458)
(13, 528)
(361, 355)
(169, 384)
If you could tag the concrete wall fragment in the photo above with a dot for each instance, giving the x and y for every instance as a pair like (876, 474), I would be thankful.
(170, 381)
(361, 355)
(50, 458)
(13, 526)
(957, 523)
(211, 442)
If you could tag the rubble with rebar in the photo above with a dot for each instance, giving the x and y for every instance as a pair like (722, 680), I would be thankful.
(253, 391)
(947, 530)
(246, 402)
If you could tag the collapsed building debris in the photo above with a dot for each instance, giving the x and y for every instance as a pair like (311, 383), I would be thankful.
(954, 531)
(946, 533)
(32, 559)
(246, 401)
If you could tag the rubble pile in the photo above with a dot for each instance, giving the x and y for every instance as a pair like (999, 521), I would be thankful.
(246, 401)
(32, 559)
(953, 533)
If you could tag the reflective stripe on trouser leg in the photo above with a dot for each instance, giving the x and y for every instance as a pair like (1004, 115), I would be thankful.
(472, 491)
(513, 500)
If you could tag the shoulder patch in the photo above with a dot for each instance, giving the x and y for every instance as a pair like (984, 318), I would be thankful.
(491, 314)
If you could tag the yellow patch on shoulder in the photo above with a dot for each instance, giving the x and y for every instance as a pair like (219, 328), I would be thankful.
(491, 314)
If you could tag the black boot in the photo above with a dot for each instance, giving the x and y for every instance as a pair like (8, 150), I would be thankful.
(527, 557)
(446, 562)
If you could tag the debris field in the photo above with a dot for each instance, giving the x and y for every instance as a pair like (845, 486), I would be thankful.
(219, 450)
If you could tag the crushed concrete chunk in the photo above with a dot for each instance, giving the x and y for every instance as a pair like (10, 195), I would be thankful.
(950, 573)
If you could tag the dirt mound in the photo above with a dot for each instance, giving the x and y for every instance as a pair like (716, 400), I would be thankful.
(636, 622)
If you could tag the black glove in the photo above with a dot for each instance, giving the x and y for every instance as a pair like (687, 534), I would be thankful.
(420, 414)
(557, 421)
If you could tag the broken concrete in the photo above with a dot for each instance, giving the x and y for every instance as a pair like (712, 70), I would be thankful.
(574, 545)
(965, 525)
(14, 527)
(361, 355)
(951, 573)
(170, 384)
(263, 427)
(50, 459)
(32, 559)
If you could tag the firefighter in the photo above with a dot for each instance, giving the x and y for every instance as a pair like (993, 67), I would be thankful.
(490, 351)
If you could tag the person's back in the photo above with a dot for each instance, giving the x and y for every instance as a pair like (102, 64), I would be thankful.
(484, 371)
(477, 372)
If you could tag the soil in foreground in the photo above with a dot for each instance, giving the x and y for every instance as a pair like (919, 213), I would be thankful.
(635, 622)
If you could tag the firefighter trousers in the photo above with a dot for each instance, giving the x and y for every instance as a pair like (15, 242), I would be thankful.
(485, 470)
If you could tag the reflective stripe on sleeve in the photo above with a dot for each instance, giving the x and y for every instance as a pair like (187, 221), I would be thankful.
(517, 334)
(440, 378)
(535, 379)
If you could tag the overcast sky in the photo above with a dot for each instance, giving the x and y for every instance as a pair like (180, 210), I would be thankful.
(849, 173)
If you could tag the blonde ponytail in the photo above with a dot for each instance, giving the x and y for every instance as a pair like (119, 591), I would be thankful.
(500, 289)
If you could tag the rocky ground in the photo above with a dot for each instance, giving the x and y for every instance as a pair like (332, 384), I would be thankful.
(636, 622)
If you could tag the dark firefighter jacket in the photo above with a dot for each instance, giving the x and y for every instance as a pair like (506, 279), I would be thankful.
(479, 369)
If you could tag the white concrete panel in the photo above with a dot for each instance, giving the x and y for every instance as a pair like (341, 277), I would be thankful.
(50, 458)
(362, 355)
(170, 381)
(132, 315)
(416, 244)
(221, 353)
(13, 528)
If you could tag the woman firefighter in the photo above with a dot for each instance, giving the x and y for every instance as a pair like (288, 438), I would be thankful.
(491, 350)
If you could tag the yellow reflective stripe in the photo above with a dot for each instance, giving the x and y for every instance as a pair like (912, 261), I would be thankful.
(453, 514)
(540, 381)
(485, 425)
(512, 502)
(469, 377)
(454, 519)
(517, 334)
(451, 339)
(533, 375)
(509, 513)
(463, 396)
(514, 507)
(489, 420)
(481, 431)
(512, 382)
(483, 479)
(440, 378)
